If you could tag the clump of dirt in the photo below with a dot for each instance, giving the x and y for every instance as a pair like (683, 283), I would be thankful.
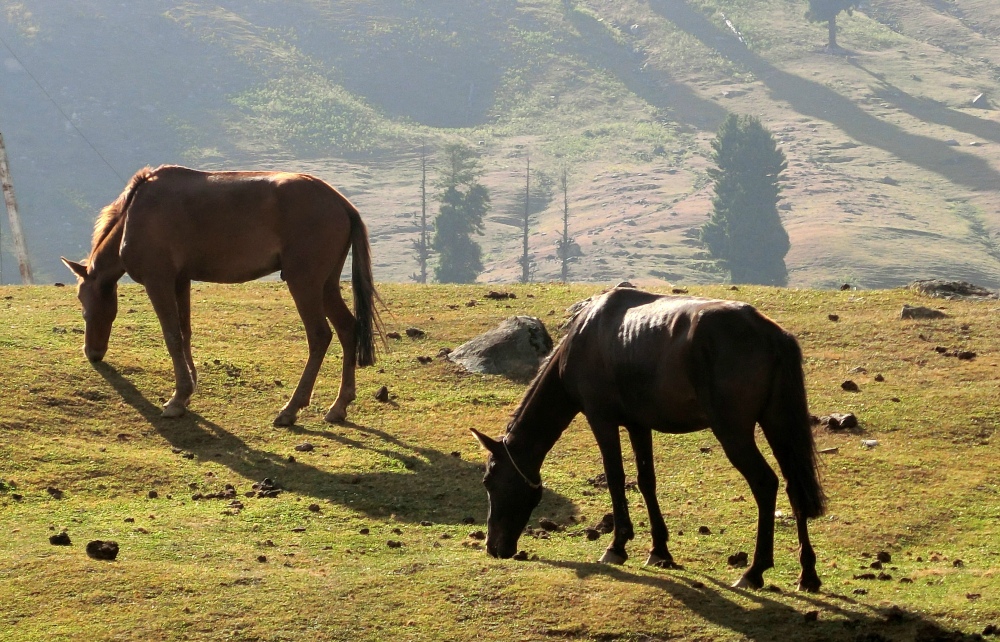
(60, 539)
(102, 550)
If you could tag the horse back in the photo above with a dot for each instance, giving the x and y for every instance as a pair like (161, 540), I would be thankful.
(234, 226)
(657, 361)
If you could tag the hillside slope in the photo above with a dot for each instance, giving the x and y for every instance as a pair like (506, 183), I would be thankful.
(893, 175)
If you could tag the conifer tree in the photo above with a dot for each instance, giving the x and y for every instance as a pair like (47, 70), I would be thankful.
(464, 204)
(744, 231)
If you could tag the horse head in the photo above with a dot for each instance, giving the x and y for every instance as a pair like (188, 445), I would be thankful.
(512, 497)
(99, 298)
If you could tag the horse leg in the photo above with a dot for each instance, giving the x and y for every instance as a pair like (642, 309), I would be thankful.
(737, 439)
(343, 323)
(163, 296)
(808, 579)
(183, 291)
(642, 446)
(609, 442)
(309, 302)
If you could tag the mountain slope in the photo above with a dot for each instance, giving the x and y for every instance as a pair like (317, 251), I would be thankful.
(892, 176)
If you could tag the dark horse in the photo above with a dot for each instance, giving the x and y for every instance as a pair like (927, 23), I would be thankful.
(673, 364)
(173, 225)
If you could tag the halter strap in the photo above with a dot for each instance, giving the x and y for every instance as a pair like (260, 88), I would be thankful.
(531, 484)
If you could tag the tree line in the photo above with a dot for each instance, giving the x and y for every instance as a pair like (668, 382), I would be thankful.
(744, 232)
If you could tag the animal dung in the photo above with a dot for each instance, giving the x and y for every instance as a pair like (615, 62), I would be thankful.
(415, 333)
(382, 394)
(304, 447)
(850, 386)
(102, 550)
(61, 539)
(739, 559)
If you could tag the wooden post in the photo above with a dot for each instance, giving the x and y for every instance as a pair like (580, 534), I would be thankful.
(20, 248)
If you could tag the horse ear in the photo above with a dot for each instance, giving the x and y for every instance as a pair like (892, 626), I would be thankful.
(78, 269)
(488, 443)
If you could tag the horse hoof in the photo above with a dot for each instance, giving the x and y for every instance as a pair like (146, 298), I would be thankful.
(173, 411)
(746, 583)
(809, 586)
(284, 419)
(611, 557)
(659, 562)
(335, 416)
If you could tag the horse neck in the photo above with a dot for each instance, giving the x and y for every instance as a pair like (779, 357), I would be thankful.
(544, 414)
(105, 261)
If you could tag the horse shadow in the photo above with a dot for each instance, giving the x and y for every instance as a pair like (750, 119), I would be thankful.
(416, 484)
(824, 616)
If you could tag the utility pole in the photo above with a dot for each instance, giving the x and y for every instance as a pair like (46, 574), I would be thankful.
(20, 248)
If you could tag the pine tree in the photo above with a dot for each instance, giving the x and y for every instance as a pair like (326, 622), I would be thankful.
(464, 204)
(827, 11)
(744, 231)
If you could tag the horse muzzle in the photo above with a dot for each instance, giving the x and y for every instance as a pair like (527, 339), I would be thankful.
(94, 356)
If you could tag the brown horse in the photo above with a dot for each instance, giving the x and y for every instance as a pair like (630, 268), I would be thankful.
(672, 364)
(173, 225)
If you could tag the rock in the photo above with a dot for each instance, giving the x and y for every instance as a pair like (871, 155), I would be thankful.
(942, 289)
(62, 539)
(840, 421)
(514, 349)
(102, 550)
(888, 180)
(382, 394)
(920, 312)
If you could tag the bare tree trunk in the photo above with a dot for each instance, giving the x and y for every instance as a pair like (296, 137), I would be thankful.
(525, 263)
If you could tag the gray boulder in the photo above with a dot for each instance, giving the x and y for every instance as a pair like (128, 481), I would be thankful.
(513, 349)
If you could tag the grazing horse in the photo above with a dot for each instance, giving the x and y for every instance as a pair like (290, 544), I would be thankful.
(173, 225)
(672, 364)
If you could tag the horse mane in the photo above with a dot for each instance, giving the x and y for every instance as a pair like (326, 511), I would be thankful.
(113, 213)
(551, 361)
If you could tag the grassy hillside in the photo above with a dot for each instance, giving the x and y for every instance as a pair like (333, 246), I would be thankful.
(373, 536)
(892, 173)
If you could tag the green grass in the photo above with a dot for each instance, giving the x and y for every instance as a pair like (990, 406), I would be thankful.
(409, 472)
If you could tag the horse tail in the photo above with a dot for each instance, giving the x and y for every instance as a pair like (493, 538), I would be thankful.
(787, 428)
(367, 322)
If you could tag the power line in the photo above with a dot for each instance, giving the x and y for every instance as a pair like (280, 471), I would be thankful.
(60, 109)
